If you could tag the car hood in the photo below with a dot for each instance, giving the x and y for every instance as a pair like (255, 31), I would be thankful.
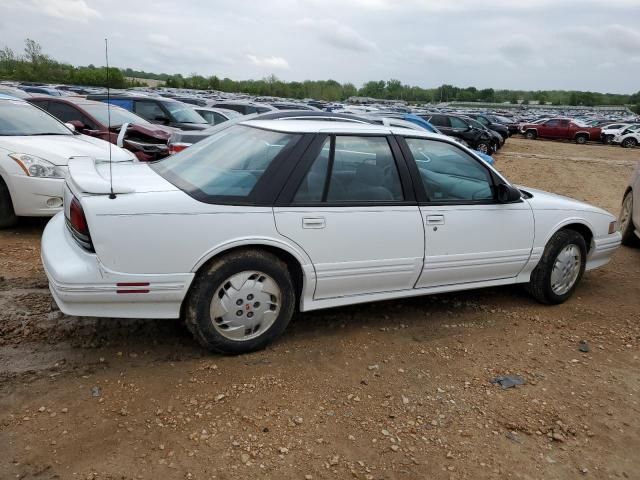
(159, 132)
(542, 200)
(57, 149)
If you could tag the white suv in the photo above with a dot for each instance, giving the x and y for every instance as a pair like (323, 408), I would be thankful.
(630, 214)
(628, 137)
(35, 149)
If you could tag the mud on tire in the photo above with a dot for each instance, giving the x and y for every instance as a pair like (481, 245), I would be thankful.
(540, 283)
(211, 280)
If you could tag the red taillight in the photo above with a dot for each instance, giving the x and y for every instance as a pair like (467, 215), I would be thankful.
(177, 147)
(77, 219)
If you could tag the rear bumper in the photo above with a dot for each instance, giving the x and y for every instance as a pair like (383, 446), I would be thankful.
(603, 249)
(82, 286)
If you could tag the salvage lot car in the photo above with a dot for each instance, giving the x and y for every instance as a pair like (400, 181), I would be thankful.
(35, 149)
(220, 235)
(630, 214)
(146, 140)
(561, 128)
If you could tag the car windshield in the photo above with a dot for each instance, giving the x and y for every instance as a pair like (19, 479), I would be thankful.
(119, 116)
(580, 123)
(21, 118)
(183, 113)
(228, 164)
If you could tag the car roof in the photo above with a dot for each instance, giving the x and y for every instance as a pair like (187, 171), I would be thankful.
(10, 97)
(74, 100)
(315, 126)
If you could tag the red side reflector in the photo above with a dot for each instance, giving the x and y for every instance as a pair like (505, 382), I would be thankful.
(177, 147)
(132, 284)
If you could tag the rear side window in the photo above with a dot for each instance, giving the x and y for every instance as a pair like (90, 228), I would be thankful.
(228, 164)
(458, 123)
(150, 110)
(64, 112)
(352, 169)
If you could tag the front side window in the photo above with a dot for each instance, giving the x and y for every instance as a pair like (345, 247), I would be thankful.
(552, 123)
(458, 123)
(64, 112)
(119, 116)
(150, 111)
(357, 169)
(483, 121)
(448, 173)
(18, 117)
(228, 164)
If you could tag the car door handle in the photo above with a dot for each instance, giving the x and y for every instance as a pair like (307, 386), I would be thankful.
(313, 222)
(435, 220)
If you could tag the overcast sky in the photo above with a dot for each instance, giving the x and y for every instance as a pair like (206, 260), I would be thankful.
(527, 44)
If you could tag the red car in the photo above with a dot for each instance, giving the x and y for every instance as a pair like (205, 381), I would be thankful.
(561, 128)
(146, 140)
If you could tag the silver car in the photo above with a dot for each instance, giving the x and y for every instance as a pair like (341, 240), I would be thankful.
(630, 214)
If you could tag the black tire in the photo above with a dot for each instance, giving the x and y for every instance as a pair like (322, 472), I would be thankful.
(581, 139)
(7, 214)
(530, 134)
(540, 283)
(484, 147)
(629, 143)
(629, 237)
(209, 281)
(608, 139)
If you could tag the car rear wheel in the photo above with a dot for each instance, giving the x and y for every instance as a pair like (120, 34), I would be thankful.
(241, 302)
(7, 214)
(530, 135)
(608, 139)
(581, 139)
(629, 142)
(560, 269)
(627, 228)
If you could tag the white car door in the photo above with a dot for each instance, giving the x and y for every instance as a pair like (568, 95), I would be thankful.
(350, 213)
(469, 237)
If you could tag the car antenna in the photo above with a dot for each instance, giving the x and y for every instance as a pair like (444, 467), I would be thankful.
(106, 55)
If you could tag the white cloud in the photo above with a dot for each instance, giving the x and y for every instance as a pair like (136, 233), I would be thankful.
(269, 62)
(338, 34)
(620, 37)
(72, 10)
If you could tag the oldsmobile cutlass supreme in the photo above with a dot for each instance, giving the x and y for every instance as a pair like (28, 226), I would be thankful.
(237, 232)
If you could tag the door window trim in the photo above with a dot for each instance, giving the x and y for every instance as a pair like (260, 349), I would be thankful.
(287, 195)
(421, 192)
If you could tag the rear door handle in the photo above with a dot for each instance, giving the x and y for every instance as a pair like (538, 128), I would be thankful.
(313, 222)
(435, 219)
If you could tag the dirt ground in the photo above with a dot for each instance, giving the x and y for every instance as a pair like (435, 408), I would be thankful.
(398, 389)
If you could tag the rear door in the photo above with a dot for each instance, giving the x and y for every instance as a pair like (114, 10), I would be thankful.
(351, 207)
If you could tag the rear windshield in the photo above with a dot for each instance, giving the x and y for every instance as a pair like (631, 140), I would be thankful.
(229, 164)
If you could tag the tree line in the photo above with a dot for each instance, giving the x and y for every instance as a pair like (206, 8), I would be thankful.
(34, 65)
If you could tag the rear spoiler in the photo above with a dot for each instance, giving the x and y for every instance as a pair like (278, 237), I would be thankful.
(84, 177)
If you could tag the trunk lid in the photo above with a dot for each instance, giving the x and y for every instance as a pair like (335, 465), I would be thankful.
(87, 175)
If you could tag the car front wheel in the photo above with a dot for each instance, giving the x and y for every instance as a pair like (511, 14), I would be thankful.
(629, 142)
(627, 228)
(530, 135)
(7, 214)
(560, 269)
(241, 302)
(484, 147)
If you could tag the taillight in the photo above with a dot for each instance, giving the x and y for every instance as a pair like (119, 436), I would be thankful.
(177, 147)
(77, 224)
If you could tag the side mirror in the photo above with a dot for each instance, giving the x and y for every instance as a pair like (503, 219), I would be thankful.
(70, 126)
(507, 194)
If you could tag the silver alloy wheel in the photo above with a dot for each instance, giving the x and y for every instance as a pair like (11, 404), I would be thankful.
(566, 269)
(245, 305)
(626, 212)
(483, 148)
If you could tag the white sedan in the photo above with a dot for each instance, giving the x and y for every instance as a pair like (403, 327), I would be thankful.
(237, 232)
(34, 151)
(630, 215)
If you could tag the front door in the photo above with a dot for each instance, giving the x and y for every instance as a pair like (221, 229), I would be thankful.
(352, 214)
(468, 236)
